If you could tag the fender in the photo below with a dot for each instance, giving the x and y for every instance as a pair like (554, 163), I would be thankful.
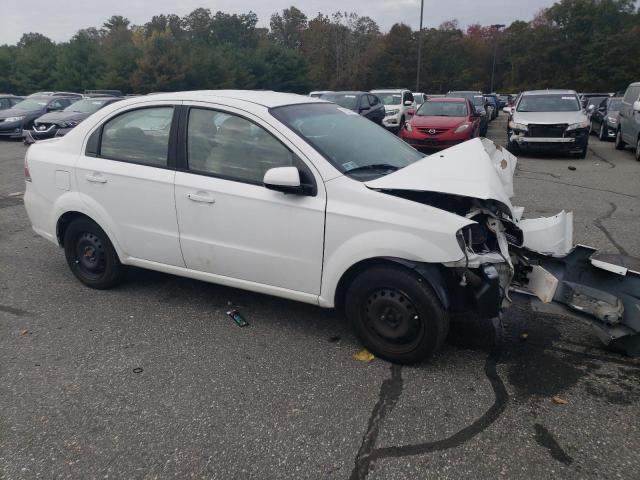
(394, 245)
(78, 202)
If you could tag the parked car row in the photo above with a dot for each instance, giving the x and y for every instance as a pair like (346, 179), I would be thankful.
(42, 115)
(426, 121)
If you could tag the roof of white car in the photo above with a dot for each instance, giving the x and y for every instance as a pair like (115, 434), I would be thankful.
(265, 98)
(551, 92)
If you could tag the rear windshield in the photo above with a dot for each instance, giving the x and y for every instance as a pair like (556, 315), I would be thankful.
(443, 109)
(349, 101)
(549, 103)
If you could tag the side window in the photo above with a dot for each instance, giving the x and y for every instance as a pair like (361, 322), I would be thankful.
(373, 100)
(57, 105)
(4, 103)
(364, 101)
(222, 144)
(139, 136)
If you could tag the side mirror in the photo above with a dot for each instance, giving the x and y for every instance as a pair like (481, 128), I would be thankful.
(364, 109)
(636, 106)
(51, 109)
(284, 179)
(408, 103)
(507, 109)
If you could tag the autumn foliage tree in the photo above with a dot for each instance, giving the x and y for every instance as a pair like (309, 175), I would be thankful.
(579, 44)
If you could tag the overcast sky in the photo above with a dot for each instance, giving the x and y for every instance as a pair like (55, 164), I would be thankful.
(60, 19)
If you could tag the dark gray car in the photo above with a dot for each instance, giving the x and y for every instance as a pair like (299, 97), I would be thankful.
(364, 103)
(604, 118)
(14, 121)
(57, 124)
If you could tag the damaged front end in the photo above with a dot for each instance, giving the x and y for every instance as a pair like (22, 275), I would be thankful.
(505, 254)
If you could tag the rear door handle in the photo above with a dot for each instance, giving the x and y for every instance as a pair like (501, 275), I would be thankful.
(96, 178)
(194, 197)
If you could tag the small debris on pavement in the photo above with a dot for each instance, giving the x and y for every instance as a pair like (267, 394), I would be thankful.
(571, 167)
(363, 356)
(334, 338)
(137, 370)
(559, 401)
(238, 318)
(24, 332)
(524, 336)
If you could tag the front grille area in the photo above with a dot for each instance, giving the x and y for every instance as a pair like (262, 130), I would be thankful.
(547, 131)
(432, 131)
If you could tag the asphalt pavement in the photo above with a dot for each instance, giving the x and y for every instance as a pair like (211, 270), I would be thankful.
(154, 380)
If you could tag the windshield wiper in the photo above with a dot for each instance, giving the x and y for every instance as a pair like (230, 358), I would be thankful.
(374, 166)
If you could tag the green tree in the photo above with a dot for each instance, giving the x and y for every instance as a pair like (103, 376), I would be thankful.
(120, 54)
(80, 62)
(35, 63)
(287, 29)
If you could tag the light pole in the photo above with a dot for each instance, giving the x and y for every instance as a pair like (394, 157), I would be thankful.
(497, 26)
(419, 46)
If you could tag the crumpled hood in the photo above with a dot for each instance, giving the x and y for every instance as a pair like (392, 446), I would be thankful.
(477, 168)
(57, 117)
(549, 118)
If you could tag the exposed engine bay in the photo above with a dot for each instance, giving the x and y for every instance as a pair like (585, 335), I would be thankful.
(506, 254)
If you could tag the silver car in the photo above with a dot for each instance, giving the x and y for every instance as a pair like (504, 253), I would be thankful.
(548, 120)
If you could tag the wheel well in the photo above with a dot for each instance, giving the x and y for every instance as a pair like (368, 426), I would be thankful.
(64, 221)
(430, 272)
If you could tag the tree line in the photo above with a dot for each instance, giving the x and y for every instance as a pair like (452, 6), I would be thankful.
(588, 45)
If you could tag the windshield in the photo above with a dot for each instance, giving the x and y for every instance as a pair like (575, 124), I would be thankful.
(347, 140)
(344, 100)
(549, 103)
(442, 109)
(86, 106)
(389, 98)
(31, 104)
(615, 104)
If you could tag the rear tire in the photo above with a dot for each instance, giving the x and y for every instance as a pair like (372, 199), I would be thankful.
(602, 136)
(638, 150)
(619, 143)
(395, 314)
(91, 256)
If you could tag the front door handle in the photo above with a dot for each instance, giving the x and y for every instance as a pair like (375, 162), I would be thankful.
(96, 178)
(194, 197)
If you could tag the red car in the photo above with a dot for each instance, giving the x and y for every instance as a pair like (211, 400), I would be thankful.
(440, 123)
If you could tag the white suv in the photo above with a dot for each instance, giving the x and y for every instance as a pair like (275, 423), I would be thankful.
(300, 198)
(398, 105)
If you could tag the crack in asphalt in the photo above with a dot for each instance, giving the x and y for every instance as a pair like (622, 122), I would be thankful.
(546, 439)
(12, 310)
(390, 393)
(600, 157)
(598, 223)
(580, 186)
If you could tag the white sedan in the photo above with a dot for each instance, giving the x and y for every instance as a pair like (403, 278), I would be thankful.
(300, 198)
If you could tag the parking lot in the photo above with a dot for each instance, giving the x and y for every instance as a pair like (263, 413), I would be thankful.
(154, 380)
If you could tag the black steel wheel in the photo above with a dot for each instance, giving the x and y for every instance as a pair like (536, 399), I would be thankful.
(619, 143)
(395, 314)
(91, 256)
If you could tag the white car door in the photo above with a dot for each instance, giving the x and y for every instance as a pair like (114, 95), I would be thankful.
(230, 224)
(125, 179)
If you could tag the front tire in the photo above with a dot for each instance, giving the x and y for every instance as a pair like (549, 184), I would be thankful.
(396, 314)
(91, 256)
(619, 143)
